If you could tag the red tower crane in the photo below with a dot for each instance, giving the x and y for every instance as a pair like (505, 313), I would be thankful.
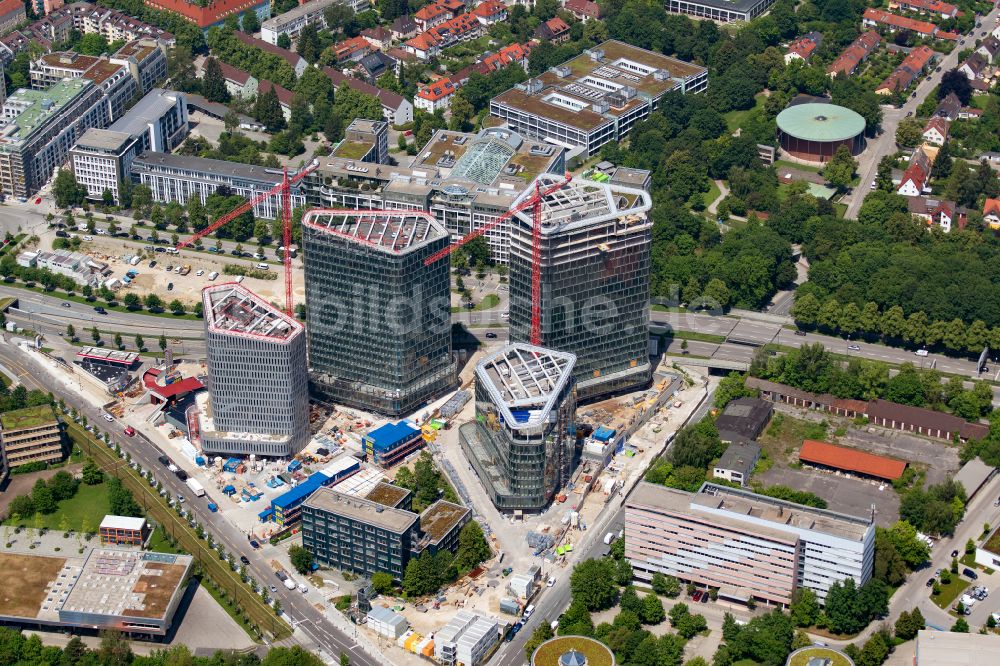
(534, 202)
(284, 189)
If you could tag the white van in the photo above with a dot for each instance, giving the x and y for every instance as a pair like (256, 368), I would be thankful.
(921, 352)
(213, 275)
(262, 266)
(173, 250)
(529, 609)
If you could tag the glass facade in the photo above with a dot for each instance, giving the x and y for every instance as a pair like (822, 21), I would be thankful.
(378, 320)
(594, 289)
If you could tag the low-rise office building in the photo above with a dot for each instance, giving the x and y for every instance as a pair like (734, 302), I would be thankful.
(367, 535)
(31, 435)
(123, 531)
(159, 121)
(745, 545)
(596, 97)
(736, 464)
(102, 161)
(365, 141)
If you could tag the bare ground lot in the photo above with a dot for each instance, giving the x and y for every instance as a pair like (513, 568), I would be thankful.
(938, 459)
(23, 579)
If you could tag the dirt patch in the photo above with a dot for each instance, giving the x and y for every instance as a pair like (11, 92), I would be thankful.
(783, 436)
(157, 590)
(23, 581)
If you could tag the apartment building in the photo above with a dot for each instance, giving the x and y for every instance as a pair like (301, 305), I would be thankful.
(39, 128)
(176, 178)
(365, 141)
(365, 350)
(595, 257)
(113, 79)
(257, 370)
(522, 442)
(466, 181)
(102, 160)
(745, 545)
(722, 11)
(291, 22)
(212, 13)
(30, 435)
(596, 97)
(146, 60)
(12, 14)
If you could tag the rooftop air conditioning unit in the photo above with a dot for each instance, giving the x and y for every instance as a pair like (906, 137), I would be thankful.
(661, 74)
(562, 71)
(596, 54)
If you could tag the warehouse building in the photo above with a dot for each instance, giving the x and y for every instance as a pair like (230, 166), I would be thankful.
(31, 435)
(378, 318)
(390, 444)
(595, 255)
(522, 442)
(258, 387)
(745, 545)
(842, 458)
(596, 97)
(467, 181)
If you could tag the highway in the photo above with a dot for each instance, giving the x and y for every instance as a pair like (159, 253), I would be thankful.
(317, 628)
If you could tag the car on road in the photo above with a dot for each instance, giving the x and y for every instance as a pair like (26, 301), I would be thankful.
(254, 544)
(802, 333)
(200, 273)
(954, 553)
(491, 335)
(528, 611)
(244, 559)
(273, 589)
(180, 498)
(970, 574)
(921, 352)
(100, 310)
(282, 576)
(550, 582)
(930, 582)
(129, 431)
(997, 502)
(108, 418)
(213, 249)
(854, 347)
(66, 304)
(874, 184)
(161, 249)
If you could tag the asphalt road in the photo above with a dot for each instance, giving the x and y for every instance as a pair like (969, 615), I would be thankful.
(885, 143)
(307, 618)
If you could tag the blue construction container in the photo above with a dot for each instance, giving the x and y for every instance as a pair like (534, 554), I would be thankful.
(285, 506)
(294, 465)
(603, 434)
(388, 444)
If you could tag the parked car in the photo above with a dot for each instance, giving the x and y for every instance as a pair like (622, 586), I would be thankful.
(100, 310)
(802, 333)
(930, 582)
(854, 347)
(954, 553)
(697, 595)
(491, 335)
(970, 574)
(108, 418)
(129, 431)
(244, 559)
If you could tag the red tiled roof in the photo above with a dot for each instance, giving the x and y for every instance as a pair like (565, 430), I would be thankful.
(935, 6)
(436, 91)
(489, 8)
(204, 17)
(938, 123)
(953, 36)
(10, 6)
(991, 206)
(584, 7)
(284, 94)
(425, 41)
(804, 47)
(851, 460)
(852, 56)
(918, 58)
(884, 17)
(557, 25)
(348, 47)
(430, 12)
(515, 53)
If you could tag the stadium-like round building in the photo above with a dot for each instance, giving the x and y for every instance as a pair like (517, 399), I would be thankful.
(814, 131)
(572, 651)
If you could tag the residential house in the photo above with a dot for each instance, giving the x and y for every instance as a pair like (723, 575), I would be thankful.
(991, 213)
(379, 37)
(351, 50)
(583, 10)
(936, 131)
(490, 12)
(949, 107)
(989, 49)
(554, 30)
(435, 96)
(508, 55)
(284, 96)
(913, 65)
(431, 15)
(375, 65)
(914, 180)
(396, 109)
(403, 27)
(803, 47)
(429, 43)
(238, 83)
(934, 212)
(974, 66)
(297, 62)
(970, 113)
(935, 7)
(859, 50)
(12, 14)
(879, 18)
(425, 45)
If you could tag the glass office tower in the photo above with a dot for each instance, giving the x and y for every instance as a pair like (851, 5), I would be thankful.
(595, 253)
(378, 320)
(522, 442)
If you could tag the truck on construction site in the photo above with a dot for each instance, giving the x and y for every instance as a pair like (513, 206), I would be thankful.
(196, 487)
(185, 270)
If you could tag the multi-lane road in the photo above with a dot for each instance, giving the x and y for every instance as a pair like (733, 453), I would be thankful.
(313, 623)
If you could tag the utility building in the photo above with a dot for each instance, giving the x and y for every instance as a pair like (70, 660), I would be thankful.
(378, 319)
(521, 444)
(595, 247)
(257, 367)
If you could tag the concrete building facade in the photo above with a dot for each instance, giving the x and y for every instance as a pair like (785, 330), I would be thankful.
(378, 319)
(30, 435)
(159, 121)
(291, 22)
(745, 545)
(521, 444)
(595, 257)
(102, 160)
(258, 381)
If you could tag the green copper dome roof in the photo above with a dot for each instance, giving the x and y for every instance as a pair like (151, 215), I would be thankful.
(820, 122)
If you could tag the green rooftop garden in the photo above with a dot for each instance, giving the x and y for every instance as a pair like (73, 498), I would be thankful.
(597, 654)
(29, 417)
(802, 657)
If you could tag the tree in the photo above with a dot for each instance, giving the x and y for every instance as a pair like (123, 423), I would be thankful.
(472, 547)
(805, 310)
(213, 83)
(43, 498)
(267, 109)
(249, 23)
(960, 626)
(954, 81)
(913, 551)
(63, 485)
(576, 620)
(593, 582)
(540, 635)
(176, 306)
(651, 611)
(623, 572)
(22, 506)
(162, 342)
(92, 474)
(70, 332)
(95, 335)
(66, 190)
(805, 607)
(115, 650)
(301, 559)
(731, 387)
(118, 340)
(668, 586)
(629, 601)
(153, 302)
(909, 133)
(139, 343)
(284, 41)
(382, 582)
(839, 171)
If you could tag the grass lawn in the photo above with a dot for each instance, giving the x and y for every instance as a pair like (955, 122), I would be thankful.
(783, 437)
(712, 194)
(734, 119)
(90, 503)
(489, 302)
(779, 164)
(158, 543)
(833, 657)
(699, 337)
(840, 209)
(950, 592)
(29, 417)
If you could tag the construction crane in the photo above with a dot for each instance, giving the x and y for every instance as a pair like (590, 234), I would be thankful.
(284, 189)
(534, 202)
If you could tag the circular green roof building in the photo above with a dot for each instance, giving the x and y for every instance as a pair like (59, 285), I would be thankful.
(814, 131)
(572, 651)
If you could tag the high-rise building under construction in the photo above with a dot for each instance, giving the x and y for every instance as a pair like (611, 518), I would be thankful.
(594, 270)
(378, 320)
(522, 441)
(258, 384)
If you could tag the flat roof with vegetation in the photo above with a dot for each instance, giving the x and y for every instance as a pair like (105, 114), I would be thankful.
(803, 656)
(29, 417)
(549, 652)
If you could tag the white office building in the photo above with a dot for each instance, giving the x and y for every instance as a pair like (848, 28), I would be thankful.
(101, 160)
(467, 639)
